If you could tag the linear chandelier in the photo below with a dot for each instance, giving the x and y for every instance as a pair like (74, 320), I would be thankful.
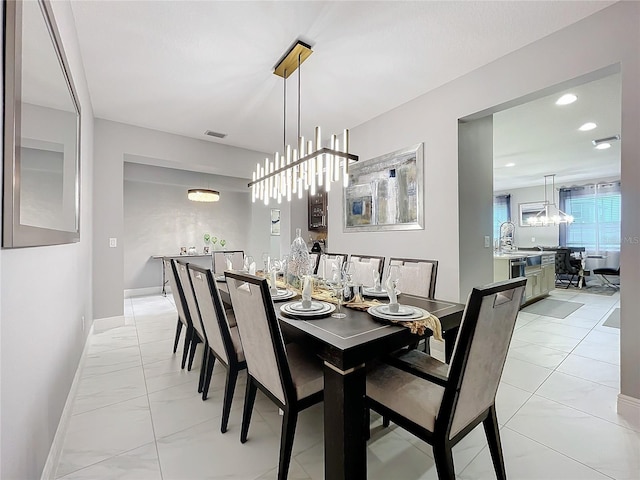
(203, 195)
(550, 214)
(309, 165)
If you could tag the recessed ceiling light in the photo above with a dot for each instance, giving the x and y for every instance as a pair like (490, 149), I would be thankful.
(587, 126)
(510, 165)
(603, 146)
(566, 99)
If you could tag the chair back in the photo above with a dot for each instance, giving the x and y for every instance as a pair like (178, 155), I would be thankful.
(480, 353)
(212, 313)
(176, 290)
(260, 334)
(563, 262)
(220, 260)
(417, 277)
(364, 268)
(328, 262)
(314, 259)
(185, 282)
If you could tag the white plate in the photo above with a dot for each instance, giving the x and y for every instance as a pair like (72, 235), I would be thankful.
(403, 310)
(314, 307)
(283, 294)
(418, 313)
(372, 292)
(326, 310)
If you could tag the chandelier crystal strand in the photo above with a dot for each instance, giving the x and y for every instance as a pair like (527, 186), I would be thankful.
(312, 169)
(253, 188)
(289, 173)
(337, 168)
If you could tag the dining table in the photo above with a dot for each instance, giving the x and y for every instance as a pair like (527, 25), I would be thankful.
(346, 345)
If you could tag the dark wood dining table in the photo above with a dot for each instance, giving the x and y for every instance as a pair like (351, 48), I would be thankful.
(346, 345)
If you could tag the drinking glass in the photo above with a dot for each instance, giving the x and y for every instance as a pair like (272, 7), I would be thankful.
(376, 280)
(265, 261)
(338, 291)
(248, 260)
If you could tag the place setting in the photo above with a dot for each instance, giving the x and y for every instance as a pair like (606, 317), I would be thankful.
(376, 291)
(306, 308)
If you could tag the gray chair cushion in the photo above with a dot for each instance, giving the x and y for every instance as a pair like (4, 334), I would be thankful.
(306, 371)
(406, 394)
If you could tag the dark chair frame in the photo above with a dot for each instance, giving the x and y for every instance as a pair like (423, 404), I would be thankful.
(196, 338)
(434, 271)
(292, 406)
(234, 365)
(603, 272)
(439, 438)
(563, 266)
(318, 257)
(184, 315)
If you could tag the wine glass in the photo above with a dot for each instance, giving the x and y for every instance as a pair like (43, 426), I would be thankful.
(338, 291)
(393, 277)
(376, 280)
(265, 261)
(349, 271)
(248, 260)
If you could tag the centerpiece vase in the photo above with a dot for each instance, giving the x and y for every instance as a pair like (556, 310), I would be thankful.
(298, 262)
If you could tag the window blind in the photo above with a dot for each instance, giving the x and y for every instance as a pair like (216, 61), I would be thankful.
(501, 212)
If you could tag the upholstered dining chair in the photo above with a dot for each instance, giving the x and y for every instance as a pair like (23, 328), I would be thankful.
(327, 263)
(192, 306)
(288, 376)
(417, 277)
(222, 341)
(364, 266)
(220, 260)
(564, 267)
(184, 315)
(441, 404)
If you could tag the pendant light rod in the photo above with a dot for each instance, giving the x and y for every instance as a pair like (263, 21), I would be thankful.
(323, 150)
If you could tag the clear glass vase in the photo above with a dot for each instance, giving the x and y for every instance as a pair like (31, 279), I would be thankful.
(298, 262)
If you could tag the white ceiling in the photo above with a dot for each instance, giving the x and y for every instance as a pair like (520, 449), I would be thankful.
(542, 138)
(188, 66)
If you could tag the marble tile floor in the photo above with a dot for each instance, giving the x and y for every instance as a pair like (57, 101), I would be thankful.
(138, 416)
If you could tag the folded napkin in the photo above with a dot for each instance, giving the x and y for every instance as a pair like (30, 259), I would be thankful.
(391, 291)
(273, 283)
(306, 290)
(252, 268)
(229, 264)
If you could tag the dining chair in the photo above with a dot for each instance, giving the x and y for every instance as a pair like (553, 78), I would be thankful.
(222, 341)
(220, 260)
(565, 268)
(441, 404)
(184, 315)
(417, 277)
(287, 375)
(198, 333)
(327, 263)
(364, 266)
(604, 272)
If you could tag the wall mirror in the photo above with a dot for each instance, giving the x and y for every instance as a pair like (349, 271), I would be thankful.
(41, 196)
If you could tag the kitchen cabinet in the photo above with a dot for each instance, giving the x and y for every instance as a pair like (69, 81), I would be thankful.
(539, 271)
(318, 210)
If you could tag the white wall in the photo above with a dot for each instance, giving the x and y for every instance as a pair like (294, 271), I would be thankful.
(117, 142)
(44, 292)
(159, 219)
(611, 36)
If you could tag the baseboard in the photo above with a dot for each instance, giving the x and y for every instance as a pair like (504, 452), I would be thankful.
(140, 292)
(51, 465)
(629, 409)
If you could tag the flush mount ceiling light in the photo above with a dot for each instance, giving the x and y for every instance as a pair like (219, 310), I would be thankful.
(203, 195)
(566, 99)
(309, 165)
(587, 126)
(510, 164)
(550, 214)
(604, 143)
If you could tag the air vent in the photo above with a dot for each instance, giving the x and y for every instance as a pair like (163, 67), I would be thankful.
(211, 133)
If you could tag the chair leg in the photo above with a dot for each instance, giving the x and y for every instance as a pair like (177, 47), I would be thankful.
(194, 344)
(249, 399)
(205, 358)
(187, 344)
(492, 431)
(286, 442)
(178, 330)
(367, 423)
(385, 421)
(229, 388)
(207, 381)
(444, 461)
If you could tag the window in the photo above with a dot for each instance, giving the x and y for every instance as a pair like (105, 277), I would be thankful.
(501, 213)
(596, 213)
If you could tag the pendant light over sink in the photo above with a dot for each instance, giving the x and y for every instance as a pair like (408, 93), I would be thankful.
(307, 166)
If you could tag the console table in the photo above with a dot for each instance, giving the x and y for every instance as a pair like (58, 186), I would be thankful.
(164, 273)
